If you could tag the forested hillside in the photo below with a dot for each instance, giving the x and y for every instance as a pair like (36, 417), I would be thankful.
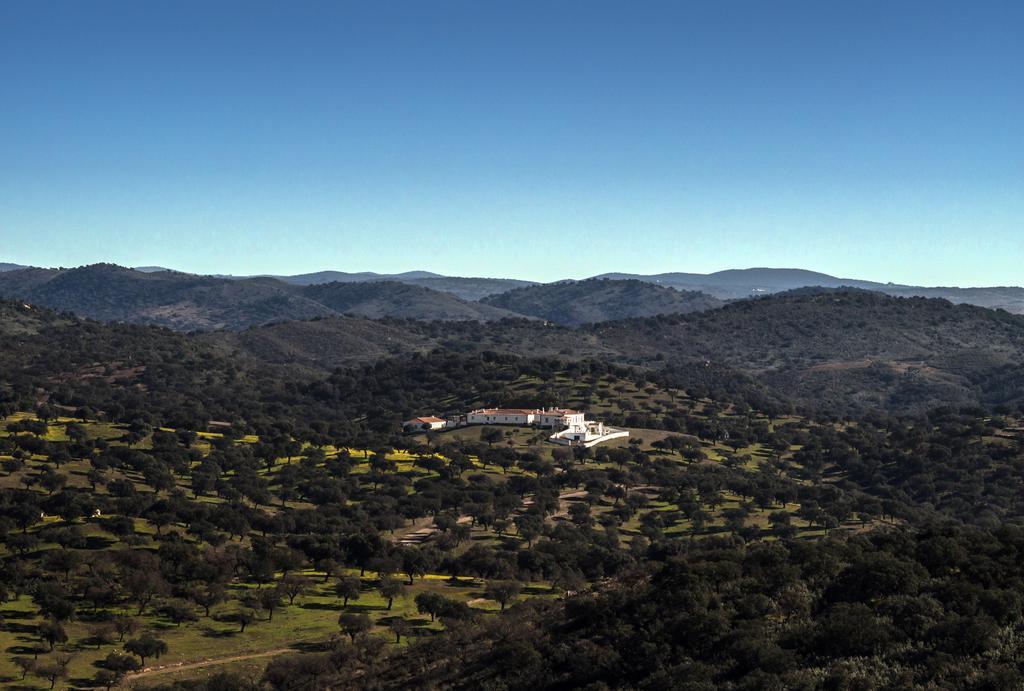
(187, 302)
(179, 301)
(744, 546)
(594, 300)
(849, 350)
(239, 510)
(400, 301)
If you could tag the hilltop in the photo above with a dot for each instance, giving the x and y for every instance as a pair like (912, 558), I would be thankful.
(598, 300)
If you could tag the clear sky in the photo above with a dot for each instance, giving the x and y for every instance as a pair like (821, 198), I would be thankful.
(878, 140)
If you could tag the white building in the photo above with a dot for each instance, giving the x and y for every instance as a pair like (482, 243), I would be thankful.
(573, 427)
(541, 417)
(424, 424)
(588, 433)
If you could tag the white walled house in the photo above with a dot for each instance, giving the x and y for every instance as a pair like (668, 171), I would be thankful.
(561, 417)
(573, 427)
(501, 416)
(541, 417)
(424, 424)
(588, 434)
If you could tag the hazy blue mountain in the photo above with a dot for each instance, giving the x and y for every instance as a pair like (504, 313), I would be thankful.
(358, 277)
(732, 284)
(467, 288)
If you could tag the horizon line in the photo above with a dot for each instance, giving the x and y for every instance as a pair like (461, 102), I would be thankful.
(156, 268)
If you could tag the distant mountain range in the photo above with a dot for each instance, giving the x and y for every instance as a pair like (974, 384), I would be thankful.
(465, 288)
(187, 302)
(733, 284)
(155, 295)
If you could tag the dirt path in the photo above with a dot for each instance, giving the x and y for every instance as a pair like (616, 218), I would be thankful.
(185, 666)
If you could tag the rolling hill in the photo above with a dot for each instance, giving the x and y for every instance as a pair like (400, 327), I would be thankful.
(844, 349)
(828, 349)
(324, 344)
(470, 288)
(598, 300)
(187, 302)
(320, 345)
(180, 301)
(462, 287)
(399, 301)
(730, 284)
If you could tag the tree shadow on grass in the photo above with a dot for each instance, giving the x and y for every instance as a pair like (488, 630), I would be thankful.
(26, 650)
(337, 607)
(462, 583)
(98, 542)
(358, 609)
(7, 614)
(15, 627)
(310, 646)
(210, 632)
(538, 590)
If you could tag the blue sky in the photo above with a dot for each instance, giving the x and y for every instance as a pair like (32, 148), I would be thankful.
(879, 140)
